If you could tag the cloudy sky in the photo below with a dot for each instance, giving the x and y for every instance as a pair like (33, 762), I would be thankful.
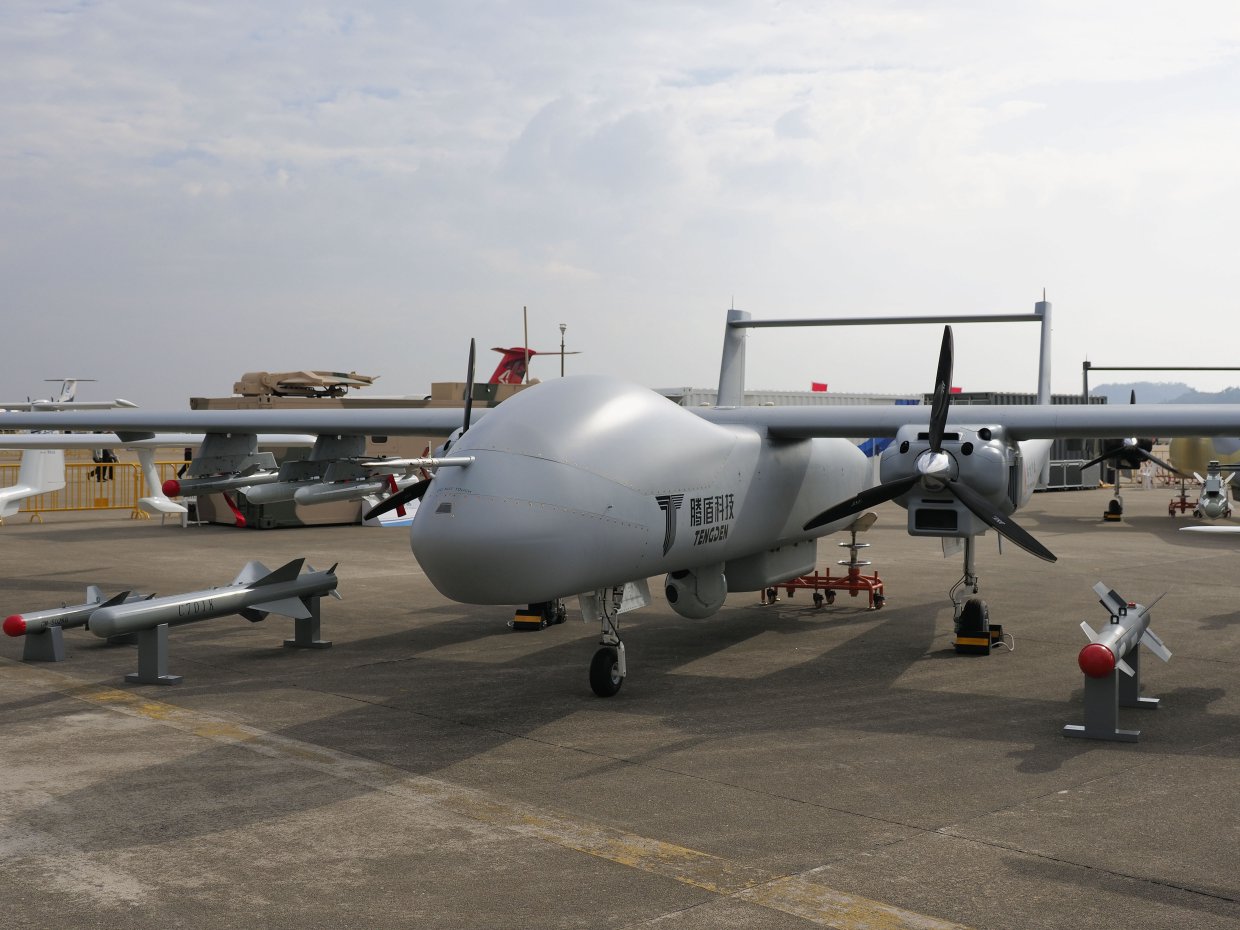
(193, 190)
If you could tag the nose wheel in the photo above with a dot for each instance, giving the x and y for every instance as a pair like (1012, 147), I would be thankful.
(606, 675)
(607, 668)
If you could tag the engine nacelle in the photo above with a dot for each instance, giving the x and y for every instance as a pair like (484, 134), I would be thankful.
(981, 459)
(697, 593)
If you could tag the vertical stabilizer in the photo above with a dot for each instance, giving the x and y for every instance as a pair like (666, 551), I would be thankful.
(732, 368)
(1043, 309)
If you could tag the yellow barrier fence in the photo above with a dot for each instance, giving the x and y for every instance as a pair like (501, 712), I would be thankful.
(114, 486)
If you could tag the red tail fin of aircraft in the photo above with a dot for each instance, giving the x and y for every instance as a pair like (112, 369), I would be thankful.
(512, 367)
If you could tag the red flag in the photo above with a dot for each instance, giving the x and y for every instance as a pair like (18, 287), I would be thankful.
(817, 386)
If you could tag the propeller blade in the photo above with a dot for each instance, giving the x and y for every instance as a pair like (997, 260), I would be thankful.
(1114, 453)
(469, 388)
(1160, 463)
(986, 512)
(942, 392)
(870, 497)
(399, 499)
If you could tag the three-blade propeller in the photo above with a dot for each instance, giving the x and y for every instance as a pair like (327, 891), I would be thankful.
(936, 471)
(415, 491)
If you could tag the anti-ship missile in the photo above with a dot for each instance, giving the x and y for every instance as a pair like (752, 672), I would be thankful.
(254, 593)
(66, 617)
(1129, 627)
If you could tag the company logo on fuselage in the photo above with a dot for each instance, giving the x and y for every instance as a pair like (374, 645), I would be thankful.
(710, 517)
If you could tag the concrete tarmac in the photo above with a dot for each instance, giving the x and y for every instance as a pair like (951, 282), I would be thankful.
(773, 766)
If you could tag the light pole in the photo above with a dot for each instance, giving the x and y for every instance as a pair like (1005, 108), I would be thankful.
(563, 326)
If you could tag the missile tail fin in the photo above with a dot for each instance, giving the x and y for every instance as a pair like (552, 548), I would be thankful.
(287, 572)
(253, 571)
(1089, 632)
(1155, 645)
(1125, 668)
(93, 594)
(286, 607)
(113, 601)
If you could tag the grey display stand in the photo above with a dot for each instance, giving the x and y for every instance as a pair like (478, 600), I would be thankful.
(306, 631)
(48, 646)
(1103, 699)
(153, 658)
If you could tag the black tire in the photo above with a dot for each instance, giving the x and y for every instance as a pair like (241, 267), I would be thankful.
(830, 596)
(974, 618)
(605, 677)
(818, 599)
(879, 601)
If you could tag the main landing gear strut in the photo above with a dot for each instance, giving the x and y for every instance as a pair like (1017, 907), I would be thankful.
(975, 634)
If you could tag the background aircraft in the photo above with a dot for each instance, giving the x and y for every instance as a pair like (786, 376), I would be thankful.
(1213, 501)
(606, 484)
(64, 400)
(514, 365)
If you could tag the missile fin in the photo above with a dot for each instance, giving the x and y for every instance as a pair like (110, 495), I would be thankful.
(1155, 645)
(1089, 631)
(1125, 668)
(93, 594)
(254, 616)
(1110, 598)
(286, 607)
(118, 599)
(286, 572)
(253, 571)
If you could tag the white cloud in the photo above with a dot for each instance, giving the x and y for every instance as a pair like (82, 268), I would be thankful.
(310, 180)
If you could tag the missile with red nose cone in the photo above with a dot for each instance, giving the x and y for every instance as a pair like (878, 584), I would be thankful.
(176, 487)
(1129, 627)
(254, 593)
(66, 617)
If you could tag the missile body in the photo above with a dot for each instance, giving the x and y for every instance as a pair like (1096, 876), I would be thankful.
(38, 621)
(175, 487)
(254, 593)
(1129, 627)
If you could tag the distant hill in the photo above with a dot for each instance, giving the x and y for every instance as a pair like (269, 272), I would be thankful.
(1163, 392)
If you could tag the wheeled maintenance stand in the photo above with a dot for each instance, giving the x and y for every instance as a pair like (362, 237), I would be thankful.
(1105, 696)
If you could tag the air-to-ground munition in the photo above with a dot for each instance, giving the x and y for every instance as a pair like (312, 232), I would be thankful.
(42, 627)
(176, 487)
(1113, 650)
(255, 593)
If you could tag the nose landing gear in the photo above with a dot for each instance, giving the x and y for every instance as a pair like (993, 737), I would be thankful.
(608, 669)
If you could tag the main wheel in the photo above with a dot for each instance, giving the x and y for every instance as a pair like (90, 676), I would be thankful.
(974, 618)
(605, 676)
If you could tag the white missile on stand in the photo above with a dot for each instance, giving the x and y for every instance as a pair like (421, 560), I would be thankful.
(44, 642)
(253, 594)
(1129, 626)
(1113, 650)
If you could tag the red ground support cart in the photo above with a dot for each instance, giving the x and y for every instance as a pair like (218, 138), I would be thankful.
(824, 585)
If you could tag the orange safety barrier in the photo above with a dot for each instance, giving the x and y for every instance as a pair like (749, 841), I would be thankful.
(90, 486)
